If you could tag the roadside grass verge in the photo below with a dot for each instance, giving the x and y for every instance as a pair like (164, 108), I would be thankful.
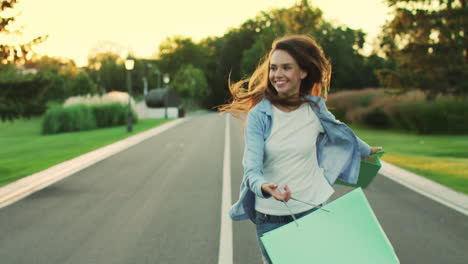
(441, 158)
(24, 151)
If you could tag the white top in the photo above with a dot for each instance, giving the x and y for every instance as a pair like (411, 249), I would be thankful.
(291, 158)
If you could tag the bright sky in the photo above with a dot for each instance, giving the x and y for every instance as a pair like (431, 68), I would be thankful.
(77, 26)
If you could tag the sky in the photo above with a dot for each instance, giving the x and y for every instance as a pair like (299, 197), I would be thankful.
(75, 27)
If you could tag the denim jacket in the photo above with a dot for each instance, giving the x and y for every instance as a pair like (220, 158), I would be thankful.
(339, 153)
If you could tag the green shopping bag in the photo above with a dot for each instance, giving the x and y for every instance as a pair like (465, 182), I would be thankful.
(368, 171)
(346, 231)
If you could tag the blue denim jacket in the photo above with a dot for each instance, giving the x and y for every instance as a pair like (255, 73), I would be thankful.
(339, 153)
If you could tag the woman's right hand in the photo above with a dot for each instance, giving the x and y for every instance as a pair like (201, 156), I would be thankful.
(273, 190)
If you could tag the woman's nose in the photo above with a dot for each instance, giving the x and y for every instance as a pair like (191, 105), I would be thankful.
(278, 72)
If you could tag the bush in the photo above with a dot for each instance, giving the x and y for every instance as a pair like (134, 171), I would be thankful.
(373, 116)
(444, 115)
(342, 104)
(66, 119)
(411, 111)
(84, 117)
(112, 115)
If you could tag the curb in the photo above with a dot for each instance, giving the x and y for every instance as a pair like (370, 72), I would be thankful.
(30, 184)
(435, 191)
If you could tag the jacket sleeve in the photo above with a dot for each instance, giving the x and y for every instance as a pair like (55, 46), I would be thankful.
(364, 148)
(253, 155)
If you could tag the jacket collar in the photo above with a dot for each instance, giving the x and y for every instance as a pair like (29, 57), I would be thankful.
(265, 105)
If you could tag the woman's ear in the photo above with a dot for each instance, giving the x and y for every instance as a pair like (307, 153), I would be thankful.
(303, 75)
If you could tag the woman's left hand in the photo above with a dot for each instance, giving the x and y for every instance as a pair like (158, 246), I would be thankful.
(375, 149)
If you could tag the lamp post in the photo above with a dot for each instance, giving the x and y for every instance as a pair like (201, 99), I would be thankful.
(166, 80)
(97, 68)
(145, 79)
(129, 64)
(158, 74)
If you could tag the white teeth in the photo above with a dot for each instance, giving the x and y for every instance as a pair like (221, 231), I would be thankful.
(280, 82)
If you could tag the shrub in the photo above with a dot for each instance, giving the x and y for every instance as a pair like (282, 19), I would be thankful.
(66, 119)
(84, 117)
(108, 98)
(342, 104)
(112, 115)
(444, 115)
(373, 116)
(410, 111)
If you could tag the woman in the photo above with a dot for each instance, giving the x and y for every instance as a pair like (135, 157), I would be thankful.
(294, 147)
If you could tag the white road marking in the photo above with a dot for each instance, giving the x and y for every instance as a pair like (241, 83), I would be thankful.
(28, 185)
(432, 190)
(225, 238)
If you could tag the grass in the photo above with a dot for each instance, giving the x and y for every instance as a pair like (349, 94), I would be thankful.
(441, 158)
(24, 151)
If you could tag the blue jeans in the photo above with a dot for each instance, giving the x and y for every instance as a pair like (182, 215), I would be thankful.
(266, 223)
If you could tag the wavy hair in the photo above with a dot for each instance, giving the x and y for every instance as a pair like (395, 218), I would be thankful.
(310, 58)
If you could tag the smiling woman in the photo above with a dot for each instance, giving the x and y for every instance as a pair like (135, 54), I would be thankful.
(292, 142)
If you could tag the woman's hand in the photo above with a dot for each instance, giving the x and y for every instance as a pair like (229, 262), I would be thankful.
(272, 189)
(375, 149)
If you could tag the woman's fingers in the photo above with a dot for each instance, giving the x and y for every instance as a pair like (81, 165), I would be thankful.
(375, 149)
(287, 193)
(273, 190)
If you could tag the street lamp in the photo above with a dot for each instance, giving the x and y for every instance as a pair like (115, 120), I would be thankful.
(166, 80)
(158, 74)
(146, 78)
(129, 64)
(97, 68)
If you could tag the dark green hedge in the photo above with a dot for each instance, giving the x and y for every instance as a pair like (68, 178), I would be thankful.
(85, 117)
(411, 111)
(442, 116)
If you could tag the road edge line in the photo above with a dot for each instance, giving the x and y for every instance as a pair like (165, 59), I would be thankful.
(225, 255)
(432, 190)
(28, 185)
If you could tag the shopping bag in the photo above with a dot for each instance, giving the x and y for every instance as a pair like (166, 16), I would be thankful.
(368, 171)
(347, 232)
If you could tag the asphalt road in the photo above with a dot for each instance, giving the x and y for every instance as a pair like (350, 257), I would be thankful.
(160, 202)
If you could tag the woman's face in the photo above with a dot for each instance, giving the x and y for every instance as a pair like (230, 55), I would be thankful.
(285, 74)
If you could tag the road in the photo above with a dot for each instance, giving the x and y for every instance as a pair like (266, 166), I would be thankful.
(160, 202)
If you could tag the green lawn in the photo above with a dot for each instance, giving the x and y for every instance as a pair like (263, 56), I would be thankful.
(24, 151)
(443, 159)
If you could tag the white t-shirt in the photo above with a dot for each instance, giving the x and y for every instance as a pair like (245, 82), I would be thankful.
(291, 158)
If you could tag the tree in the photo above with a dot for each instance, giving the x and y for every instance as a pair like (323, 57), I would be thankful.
(21, 95)
(191, 83)
(14, 52)
(177, 51)
(236, 54)
(109, 71)
(58, 72)
(428, 41)
(82, 85)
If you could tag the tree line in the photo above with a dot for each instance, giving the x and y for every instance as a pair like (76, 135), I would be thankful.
(423, 47)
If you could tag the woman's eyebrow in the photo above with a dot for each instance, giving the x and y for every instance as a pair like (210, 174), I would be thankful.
(284, 64)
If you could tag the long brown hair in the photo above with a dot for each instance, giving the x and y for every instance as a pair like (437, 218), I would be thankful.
(310, 58)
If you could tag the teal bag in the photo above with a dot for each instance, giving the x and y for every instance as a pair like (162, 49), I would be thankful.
(368, 171)
(345, 230)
